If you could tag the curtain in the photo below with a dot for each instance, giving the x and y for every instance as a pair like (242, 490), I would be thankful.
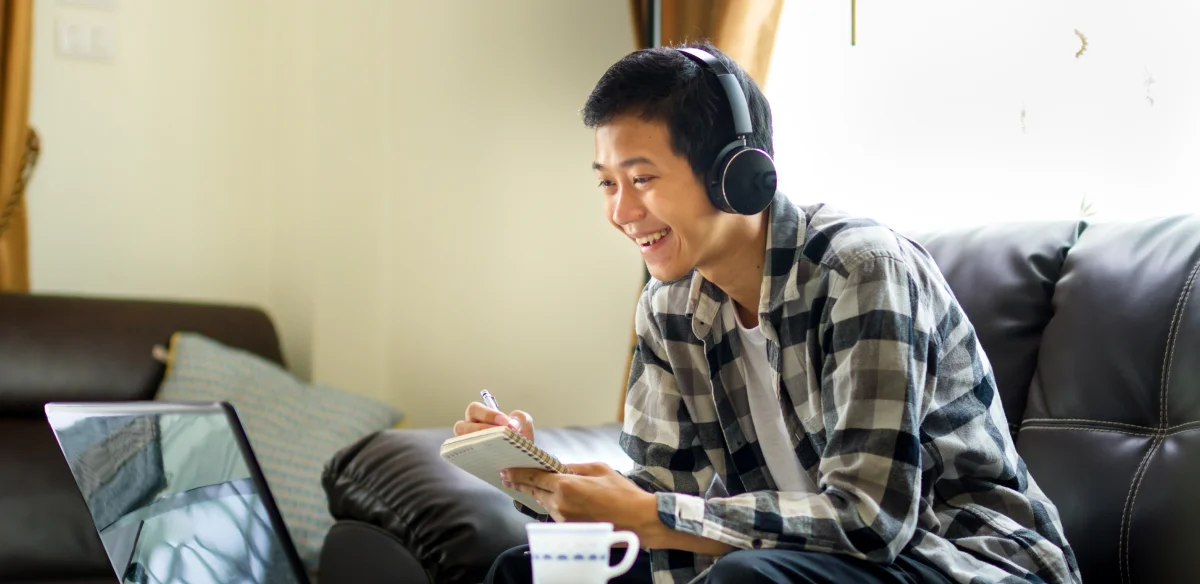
(18, 142)
(743, 29)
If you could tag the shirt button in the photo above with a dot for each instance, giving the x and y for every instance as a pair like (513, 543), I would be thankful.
(757, 543)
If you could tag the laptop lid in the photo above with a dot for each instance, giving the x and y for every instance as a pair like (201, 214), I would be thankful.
(176, 493)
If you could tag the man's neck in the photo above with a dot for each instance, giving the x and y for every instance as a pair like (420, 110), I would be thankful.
(739, 271)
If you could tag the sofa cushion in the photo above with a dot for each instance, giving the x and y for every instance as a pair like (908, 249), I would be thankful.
(1114, 408)
(293, 427)
(1004, 276)
(453, 523)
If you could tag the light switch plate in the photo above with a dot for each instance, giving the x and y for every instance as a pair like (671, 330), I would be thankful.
(98, 4)
(89, 41)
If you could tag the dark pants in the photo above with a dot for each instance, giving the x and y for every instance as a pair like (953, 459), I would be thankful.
(750, 567)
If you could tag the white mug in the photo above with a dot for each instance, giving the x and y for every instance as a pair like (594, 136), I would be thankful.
(577, 553)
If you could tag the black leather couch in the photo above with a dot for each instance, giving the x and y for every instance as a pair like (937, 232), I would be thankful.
(1094, 336)
(80, 349)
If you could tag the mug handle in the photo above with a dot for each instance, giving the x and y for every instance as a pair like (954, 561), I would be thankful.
(630, 539)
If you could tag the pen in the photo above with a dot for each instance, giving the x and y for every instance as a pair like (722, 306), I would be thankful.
(490, 401)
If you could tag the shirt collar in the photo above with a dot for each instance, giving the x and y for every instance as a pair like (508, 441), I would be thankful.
(785, 240)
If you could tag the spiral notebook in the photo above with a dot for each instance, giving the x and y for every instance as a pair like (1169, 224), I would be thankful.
(486, 452)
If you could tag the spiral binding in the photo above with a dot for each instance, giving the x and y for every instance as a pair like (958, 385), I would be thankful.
(533, 451)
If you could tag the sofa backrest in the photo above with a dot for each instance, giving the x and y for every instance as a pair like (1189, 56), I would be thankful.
(1111, 430)
(1094, 336)
(81, 349)
(55, 348)
(1004, 275)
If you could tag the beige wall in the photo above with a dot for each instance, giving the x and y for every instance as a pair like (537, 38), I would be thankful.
(153, 169)
(404, 185)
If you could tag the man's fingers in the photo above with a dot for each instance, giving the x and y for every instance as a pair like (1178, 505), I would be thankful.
(538, 494)
(542, 497)
(479, 413)
(590, 469)
(461, 427)
(540, 479)
(519, 420)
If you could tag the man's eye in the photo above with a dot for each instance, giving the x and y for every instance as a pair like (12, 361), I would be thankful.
(641, 180)
(604, 184)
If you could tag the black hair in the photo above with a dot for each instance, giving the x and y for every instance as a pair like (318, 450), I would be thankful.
(664, 85)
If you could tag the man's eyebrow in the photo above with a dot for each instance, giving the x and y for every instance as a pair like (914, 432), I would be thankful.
(625, 163)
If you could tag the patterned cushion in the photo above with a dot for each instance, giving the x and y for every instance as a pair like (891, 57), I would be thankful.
(293, 427)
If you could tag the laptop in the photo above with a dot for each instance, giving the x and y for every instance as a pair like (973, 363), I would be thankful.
(176, 493)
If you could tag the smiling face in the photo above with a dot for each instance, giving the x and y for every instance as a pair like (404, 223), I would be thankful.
(654, 198)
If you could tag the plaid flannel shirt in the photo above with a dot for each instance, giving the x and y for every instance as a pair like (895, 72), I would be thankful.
(886, 393)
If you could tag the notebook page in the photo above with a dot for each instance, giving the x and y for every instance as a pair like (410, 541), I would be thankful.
(485, 459)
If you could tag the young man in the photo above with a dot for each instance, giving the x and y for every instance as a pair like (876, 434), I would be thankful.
(808, 402)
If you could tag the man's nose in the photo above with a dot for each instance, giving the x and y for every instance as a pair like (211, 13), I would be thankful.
(628, 207)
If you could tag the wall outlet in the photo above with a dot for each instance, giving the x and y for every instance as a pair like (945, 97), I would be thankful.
(88, 41)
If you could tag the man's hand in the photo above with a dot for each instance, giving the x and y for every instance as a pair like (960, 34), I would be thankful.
(598, 493)
(595, 492)
(480, 417)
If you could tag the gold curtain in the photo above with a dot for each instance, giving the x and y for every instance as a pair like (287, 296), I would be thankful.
(18, 143)
(743, 29)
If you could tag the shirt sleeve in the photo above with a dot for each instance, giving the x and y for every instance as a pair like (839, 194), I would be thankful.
(877, 368)
(658, 434)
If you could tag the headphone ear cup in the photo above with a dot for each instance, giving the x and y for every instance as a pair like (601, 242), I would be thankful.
(743, 180)
(717, 194)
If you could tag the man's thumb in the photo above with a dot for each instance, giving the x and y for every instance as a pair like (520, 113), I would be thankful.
(518, 420)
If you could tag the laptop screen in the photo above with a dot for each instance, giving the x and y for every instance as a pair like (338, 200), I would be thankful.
(172, 495)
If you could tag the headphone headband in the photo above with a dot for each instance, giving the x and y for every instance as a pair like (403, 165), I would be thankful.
(742, 178)
(742, 127)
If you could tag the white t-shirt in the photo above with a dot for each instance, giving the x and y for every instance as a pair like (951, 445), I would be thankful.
(767, 416)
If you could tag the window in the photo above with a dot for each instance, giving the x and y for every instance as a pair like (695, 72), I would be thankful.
(965, 112)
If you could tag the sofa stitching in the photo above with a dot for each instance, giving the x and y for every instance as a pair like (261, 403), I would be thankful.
(1179, 429)
(1123, 544)
(1149, 432)
(1135, 426)
(1086, 429)
(1172, 336)
(1168, 361)
(1124, 515)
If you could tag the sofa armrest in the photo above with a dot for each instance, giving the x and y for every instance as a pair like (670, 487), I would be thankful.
(360, 553)
(454, 524)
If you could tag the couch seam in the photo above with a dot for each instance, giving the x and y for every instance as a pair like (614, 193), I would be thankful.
(1172, 336)
(1134, 426)
(1149, 432)
(1086, 429)
(1123, 542)
(1181, 428)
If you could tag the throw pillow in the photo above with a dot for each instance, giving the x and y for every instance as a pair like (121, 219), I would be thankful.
(293, 427)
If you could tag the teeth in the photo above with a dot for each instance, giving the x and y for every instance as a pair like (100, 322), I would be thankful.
(653, 237)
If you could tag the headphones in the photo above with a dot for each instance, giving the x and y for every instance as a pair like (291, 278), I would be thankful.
(742, 179)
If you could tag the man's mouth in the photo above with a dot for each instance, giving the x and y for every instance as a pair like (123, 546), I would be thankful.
(648, 241)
